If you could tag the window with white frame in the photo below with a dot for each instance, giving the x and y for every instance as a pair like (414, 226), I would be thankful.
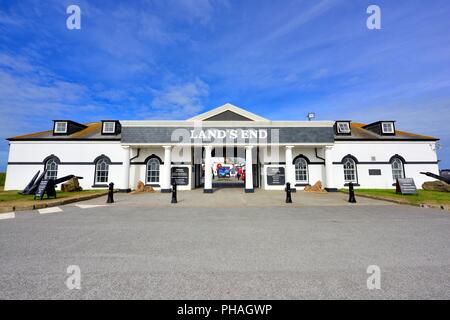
(153, 171)
(101, 171)
(301, 170)
(60, 127)
(109, 127)
(350, 170)
(387, 127)
(343, 127)
(398, 171)
(51, 167)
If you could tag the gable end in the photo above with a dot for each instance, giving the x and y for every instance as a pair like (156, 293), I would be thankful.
(228, 116)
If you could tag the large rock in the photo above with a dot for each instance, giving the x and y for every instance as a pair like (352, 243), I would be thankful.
(317, 187)
(149, 189)
(71, 185)
(436, 186)
(140, 187)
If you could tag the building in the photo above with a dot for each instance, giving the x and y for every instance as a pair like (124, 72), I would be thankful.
(275, 152)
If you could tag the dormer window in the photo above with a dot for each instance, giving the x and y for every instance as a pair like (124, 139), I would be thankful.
(60, 127)
(109, 127)
(343, 127)
(387, 127)
(382, 128)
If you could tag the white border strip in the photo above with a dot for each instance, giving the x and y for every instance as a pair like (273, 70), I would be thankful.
(50, 210)
(90, 206)
(8, 215)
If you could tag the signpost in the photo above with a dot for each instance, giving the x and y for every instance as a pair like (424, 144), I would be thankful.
(45, 186)
(180, 176)
(406, 186)
(276, 176)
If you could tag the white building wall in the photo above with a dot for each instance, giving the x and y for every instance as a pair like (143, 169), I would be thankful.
(138, 168)
(29, 157)
(382, 151)
(26, 158)
(315, 168)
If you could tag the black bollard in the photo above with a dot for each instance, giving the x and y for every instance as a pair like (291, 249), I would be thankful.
(351, 193)
(110, 193)
(174, 193)
(288, 193)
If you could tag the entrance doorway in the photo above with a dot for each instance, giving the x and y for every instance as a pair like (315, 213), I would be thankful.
(228, 169)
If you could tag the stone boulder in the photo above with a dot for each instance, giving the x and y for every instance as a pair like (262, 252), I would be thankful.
(317, 187)
(149, 189)
(140, 187)
(71, 185)
(436, 186)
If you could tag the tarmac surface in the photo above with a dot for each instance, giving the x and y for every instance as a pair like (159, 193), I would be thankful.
(228, 245)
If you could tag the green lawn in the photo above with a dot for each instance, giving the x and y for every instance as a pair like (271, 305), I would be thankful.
(2, 178)
(13, 198)
(423, 196)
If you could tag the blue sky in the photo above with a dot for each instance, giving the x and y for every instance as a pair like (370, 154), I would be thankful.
(171, 59)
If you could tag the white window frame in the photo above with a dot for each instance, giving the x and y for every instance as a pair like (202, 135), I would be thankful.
(343, 130)
(391, 130)
(57, 130)
(107, 123)
(397, 172)
(51, 173)
(99, 178)
(350, 171)
(301, 169)
(152, 175)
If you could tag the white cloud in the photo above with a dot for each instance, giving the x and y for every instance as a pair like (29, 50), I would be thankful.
(181, 99)
(302, 18)
(31, 96)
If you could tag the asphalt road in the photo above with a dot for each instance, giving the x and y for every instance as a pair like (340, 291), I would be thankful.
(233, 253)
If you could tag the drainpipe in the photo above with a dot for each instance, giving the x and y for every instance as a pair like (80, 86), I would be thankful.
(137, 156)
(317, 156)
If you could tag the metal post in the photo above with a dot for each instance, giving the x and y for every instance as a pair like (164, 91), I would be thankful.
(174, 193)
(288, 193)
(110, 193)
(351, 193)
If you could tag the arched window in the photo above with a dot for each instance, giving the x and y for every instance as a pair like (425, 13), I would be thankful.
(398, 170)
(301, 170)
(101, 170)
(51, 167)
(350, 174)
(153, 170)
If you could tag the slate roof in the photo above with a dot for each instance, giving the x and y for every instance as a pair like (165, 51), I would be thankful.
(93, 132)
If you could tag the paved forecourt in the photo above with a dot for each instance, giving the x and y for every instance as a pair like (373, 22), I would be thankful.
(142, 247)
(237, 198)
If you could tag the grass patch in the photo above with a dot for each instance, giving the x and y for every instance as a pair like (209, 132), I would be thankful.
(13, 198)
(422, 197)
(2, 179)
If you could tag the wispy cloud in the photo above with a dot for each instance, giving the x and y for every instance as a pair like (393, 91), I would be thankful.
(179, 100)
